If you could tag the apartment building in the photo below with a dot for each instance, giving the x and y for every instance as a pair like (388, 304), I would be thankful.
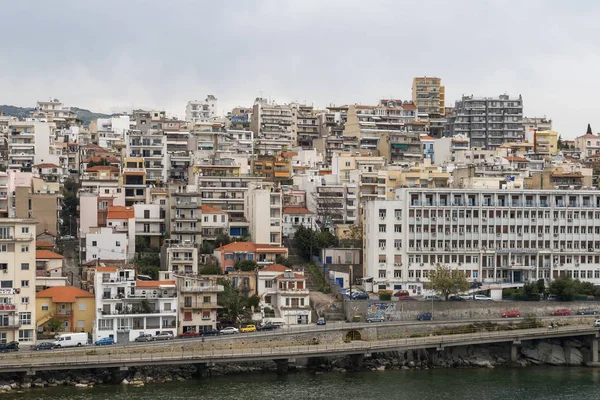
(272, 121)
(151, 145)
(305, 124)
(17, 280)
(405, 145)
(197, 110)
(288, 294)
(263, 254)
(53, 110)
(48, 269)
(179, 258)
(94, 205)
(263, 210)
(589, 144)
(73, 307)
(240, 118)
(428, 94)
(185, 214)
(488, 122)
(109, 133)
(489, 234)
(272, 168)
(35, 198)
(150, 223)
(134, 180)
(31, 142)
(106, 244)
(197, 303)
(294, 217)
(446, 148)
(4, 195)
(214, 223)
(126, 307)
(533, 124)
(546, 142)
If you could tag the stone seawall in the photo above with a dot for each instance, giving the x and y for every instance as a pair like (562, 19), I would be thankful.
(452, 310)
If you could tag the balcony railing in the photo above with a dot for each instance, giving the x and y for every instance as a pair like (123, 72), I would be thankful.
(202, 289)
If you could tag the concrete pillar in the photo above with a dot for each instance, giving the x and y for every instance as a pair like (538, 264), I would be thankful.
(282, 366)
(357, 360)
(514, 353)
(594, 349)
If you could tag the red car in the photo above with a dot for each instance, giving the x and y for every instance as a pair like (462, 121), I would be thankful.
(511, 314)
(189, 334)
(561, 312)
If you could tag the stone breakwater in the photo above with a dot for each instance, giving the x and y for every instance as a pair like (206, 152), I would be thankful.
(571, 352)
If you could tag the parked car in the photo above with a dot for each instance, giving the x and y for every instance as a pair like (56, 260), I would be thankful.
(230, 330)
(475, 285)
(376, 318)
(105, 341)
(457, 298)
(266, 327)
(10, 346)
(43, 346)
(406, 298)
(511, 314)
(321, 321)
(481, 297)
(427, 316)
(402, 293)
(248, 328)
(163, 336)
(597, 323)
(210, 332)
(189, 334)
(67, 237)
(432, 298)
(561, 312)
(360, 296)
(587, 311)
(144, 337)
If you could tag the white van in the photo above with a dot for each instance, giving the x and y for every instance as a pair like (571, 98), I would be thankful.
(71, 339)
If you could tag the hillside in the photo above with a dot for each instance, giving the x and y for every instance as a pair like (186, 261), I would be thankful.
(83, 115)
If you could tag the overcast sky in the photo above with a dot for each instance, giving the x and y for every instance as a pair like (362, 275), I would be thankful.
(113, 55)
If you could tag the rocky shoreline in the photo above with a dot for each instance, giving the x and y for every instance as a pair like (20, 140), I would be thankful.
(571, 352)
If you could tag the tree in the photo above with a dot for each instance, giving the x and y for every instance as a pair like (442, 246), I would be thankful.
(234, 306)
(222, 239)
(207, 248)
(283, 261)
(589, 130)
(355, 234)
(564, 287)
(559, 142)
(102, 161)
(210, 269)
(245, 265)
(54, 324)
(149, 265)
(305, 241)
(446, 281)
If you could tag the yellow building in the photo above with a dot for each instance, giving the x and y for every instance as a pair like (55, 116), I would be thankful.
(73, 307)
(546, 142)
(422, 176)
(429, 95)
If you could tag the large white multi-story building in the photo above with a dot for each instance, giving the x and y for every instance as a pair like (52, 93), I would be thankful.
(17, 280)
(491, 235)
(201, 110)
(30, 143)
(263, 210)
(126, 307)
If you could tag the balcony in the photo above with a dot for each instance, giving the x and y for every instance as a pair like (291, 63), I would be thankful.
(202, 289)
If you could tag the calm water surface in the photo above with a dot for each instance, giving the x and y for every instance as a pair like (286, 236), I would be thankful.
(506, 384)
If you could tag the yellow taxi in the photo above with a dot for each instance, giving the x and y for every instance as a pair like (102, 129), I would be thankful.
(248, 328)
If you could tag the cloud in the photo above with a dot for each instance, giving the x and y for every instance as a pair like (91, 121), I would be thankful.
(118, 54)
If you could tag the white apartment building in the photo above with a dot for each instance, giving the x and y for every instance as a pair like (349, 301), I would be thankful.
(491, 235)
(179, 258)
(126, 307)
(263, 210)
(150, 223)
(197, 110)
(151, 145)
(214, 222)
(271, 121)
(186, 214)
(293, 217)
(53, 110)
(533, 124)
(452, 149)
(106, 244)
(109, 131)
(197, 303)
(30, 143)
(17, 280)
(289, 296)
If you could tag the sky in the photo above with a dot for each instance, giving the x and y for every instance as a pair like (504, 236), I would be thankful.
(115, 55)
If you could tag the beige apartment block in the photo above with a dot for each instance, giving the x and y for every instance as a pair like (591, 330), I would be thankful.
(17, 280)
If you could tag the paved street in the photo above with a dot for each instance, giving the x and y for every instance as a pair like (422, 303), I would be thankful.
(71, 260)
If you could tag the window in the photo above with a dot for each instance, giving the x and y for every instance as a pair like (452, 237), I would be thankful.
(4, 267)
(25, 284)
(6, 284)
(25, 300)
(25, 229)
(80, 324)
(3, 248)
(24, 266)
(206, 299)
(25, 335)
(24, 249)
(82, 306)
(187, 316)
(118, 244)
(25, 318)
(44, 307)
(187, 301)
(205, 314)
(268, 284)
(94, 243)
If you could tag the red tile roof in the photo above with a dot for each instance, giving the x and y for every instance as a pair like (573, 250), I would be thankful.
(98, 159)
(120, 212)
(43, 243)
(98, 168)
(64, 294)
(296, 276)
(47, 165)
(516, 159)
(206, 209)
(296, 210)
(427, 137)
(47, 254)
(106, 269)
(588, 136)
(276, 268)
(252, 247)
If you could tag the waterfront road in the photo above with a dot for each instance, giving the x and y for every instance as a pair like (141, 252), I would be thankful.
(178, 352)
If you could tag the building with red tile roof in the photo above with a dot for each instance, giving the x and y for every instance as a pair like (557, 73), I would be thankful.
(73, 307)
(263, 254)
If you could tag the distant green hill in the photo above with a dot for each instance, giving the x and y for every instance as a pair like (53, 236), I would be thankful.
(85, 116)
